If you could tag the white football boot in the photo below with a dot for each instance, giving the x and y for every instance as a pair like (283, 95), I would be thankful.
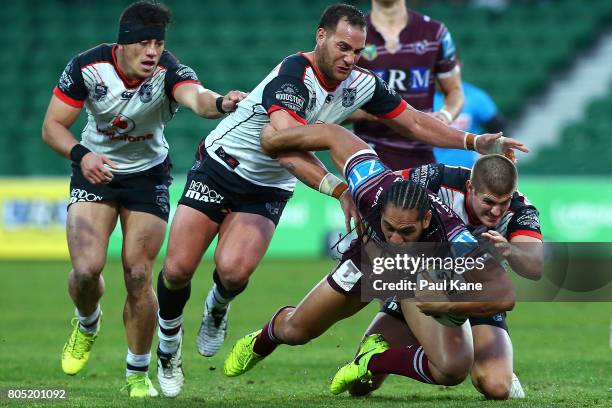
(212, 330)
(170, 371)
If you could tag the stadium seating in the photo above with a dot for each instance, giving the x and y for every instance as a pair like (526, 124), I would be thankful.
(585, 146)
(509, 53)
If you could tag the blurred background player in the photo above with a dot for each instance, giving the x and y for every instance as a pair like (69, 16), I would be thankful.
(412, 53)
(121, 170)
(237, 192)
(479, 114)
(487, 201)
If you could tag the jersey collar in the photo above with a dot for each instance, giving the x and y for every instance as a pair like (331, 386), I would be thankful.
(128, 84)
(328, 86)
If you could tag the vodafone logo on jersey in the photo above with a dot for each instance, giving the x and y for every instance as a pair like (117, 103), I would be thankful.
(120, 124)
(119, 127)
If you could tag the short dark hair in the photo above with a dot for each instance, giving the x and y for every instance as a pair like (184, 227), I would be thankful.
(336, 12)
(494, 173)
(146, 13)
(407, 195)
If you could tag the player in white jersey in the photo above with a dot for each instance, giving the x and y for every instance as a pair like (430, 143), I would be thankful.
(237, 192)
(121, 170)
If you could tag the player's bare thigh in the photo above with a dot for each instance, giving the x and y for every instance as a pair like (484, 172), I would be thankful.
(143, 235)
(492, 369)
(88, 229)
(191, 233)
(316, 313)
(243, 241)
(449, 349)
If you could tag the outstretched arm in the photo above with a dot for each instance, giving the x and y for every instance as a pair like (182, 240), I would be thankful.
(427, 129)
(203, 101)
(341, 143)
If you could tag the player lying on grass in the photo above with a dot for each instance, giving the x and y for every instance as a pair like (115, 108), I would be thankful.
(487, 201)
(398, 211)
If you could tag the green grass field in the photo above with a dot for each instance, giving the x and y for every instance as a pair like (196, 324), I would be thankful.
(561, 350)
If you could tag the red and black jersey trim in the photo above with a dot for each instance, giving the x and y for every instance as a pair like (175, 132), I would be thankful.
(75, 103)
(294, 115)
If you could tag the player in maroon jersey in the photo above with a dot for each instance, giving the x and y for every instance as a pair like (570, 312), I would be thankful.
(412, 53)
(398, 211)
(487, 201)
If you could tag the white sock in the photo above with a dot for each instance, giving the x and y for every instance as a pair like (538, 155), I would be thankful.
(215, 300)
(137, 363)
(89, 324)
(169, 343)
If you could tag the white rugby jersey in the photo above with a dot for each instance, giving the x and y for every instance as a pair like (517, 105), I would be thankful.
(125, 120)
(449, 183)
(296, 87)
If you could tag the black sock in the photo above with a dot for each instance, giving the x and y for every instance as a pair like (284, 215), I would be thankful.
(223, 291)
(171, 302)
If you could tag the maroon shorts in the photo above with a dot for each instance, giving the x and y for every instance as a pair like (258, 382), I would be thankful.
(345, 278)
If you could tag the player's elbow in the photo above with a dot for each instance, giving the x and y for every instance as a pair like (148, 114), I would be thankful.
(47, 131)
(269, 140)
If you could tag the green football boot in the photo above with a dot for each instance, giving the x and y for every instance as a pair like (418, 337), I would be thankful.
(357, 370)
(242, 357)
(76, 350)
(140, 386)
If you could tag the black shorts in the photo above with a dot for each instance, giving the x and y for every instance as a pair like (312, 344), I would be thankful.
(216, 191)
(392, 308)
(145, 191)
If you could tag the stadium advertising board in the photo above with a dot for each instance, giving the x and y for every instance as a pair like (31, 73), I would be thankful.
(33, 216)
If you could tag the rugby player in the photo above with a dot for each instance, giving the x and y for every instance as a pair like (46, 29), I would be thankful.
(234, 190)
(487, 201)
(121, 170)
(413, 53)
(397, 211)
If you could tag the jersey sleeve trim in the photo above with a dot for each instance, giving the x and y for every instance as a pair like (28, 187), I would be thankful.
(395, 112)
(294, 115)
(527, 233)
(187, 81)
(455, 71)
(75, 103)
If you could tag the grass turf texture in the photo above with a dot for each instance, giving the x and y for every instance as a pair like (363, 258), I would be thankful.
(561, 350)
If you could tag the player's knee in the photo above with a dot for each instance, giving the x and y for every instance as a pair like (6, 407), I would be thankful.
(233, 272)
(453, 369)
(137, 278)
(178, 272)
(87, 272)
(493, 387)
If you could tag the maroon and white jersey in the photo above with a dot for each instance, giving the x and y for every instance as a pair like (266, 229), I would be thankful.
(125, 120)
(296, 87)
(426, 51)
(368, 180)
(449, 183)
